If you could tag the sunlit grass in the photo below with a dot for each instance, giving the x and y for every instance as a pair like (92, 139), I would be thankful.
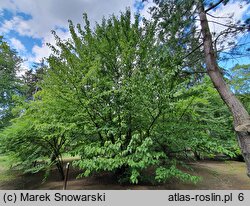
(5, 173)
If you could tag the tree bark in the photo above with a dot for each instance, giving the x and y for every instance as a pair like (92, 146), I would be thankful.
(240, 115)
(58, 164)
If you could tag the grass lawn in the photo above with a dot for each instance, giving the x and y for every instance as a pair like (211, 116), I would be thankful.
(5, 173)
(214, 175)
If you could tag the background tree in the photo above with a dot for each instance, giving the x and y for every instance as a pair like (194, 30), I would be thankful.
(240, 114)
(10, 84)
(23, 135)
(31, 78)
(37, 138)
(240, 83)
(183, 16)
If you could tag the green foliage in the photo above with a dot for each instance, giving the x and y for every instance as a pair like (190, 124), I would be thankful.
(177, 30)
(119, 83)
(197, 124)
(137, 156)
(163, 174)
(35, 140)
(130, 109)
(9, 83)
(240, 83)
(240, 79)
(206, 129)
(18, 142)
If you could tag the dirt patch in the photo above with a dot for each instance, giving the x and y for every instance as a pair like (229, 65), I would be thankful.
(228, 175)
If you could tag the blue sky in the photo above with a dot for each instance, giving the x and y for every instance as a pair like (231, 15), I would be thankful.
(27, 24)
(27, 41)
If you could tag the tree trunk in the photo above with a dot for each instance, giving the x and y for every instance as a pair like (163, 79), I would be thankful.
(59, 165)
(240, 115)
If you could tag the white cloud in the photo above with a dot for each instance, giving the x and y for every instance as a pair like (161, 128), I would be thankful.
(235, 10)
(47, 15)
(39, 52)
(24, 68)
(231, 13)
(146, 10)
(17, 44)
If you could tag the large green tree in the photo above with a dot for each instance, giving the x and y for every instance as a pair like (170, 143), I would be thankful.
(131, 100)
(120, 86)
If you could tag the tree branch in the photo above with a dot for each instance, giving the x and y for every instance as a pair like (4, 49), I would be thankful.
(219, 17)
(229, 26)
(195, 49)
(152, 123)
(213, 6)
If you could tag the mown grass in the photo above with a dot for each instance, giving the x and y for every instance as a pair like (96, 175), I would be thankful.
(5, 172)
(4, 162)
(8, 174)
